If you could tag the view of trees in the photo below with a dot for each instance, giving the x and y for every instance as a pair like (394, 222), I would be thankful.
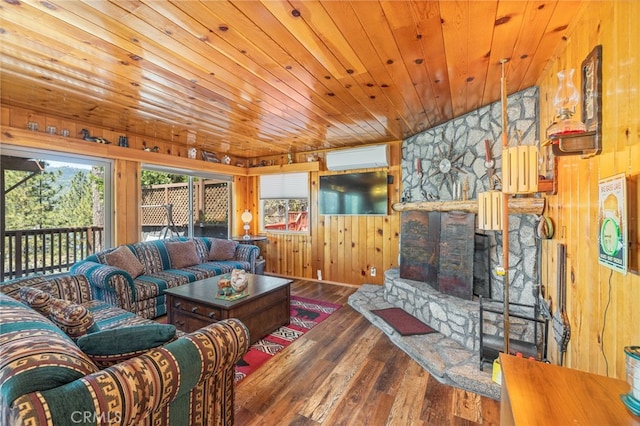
(150, 177)
(58, 197)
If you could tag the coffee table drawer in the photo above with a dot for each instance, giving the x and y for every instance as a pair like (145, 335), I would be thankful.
(188, 322)
(194, 308)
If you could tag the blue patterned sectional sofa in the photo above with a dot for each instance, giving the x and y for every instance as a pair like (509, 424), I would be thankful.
(134, 276)
(68, 359)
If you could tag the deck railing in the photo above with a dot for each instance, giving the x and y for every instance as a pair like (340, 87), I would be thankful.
(27, 251)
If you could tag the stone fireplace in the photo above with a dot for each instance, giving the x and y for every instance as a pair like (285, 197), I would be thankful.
(451, 356)
(462, 139)
(460, 143)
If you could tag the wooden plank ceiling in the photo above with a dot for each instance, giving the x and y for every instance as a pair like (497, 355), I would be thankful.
(258, 78)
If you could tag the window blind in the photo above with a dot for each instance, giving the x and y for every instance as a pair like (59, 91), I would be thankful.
(289, 185)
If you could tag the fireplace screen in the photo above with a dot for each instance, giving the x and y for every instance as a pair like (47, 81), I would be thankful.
(443, 250)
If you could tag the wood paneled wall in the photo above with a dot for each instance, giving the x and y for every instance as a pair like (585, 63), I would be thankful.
(343, 248)
(603, 306)
(127, 200)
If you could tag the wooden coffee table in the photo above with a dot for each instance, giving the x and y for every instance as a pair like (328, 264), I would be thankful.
(194, 305)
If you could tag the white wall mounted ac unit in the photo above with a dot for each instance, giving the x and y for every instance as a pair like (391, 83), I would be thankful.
(358, 158)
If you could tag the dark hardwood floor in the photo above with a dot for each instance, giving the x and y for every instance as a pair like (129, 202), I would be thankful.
(345, 371)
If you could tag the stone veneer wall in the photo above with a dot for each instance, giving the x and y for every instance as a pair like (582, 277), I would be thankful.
(464, 137)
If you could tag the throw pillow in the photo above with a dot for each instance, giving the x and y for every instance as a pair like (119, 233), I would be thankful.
(123, 258)
(182, 254)
(36, 299)
(223, 249)
(108, 347)
(75, 320)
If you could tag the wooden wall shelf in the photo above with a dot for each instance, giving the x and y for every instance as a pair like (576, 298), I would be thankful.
(45, 141)
(310, 166)
(527, 205)
(585, 144)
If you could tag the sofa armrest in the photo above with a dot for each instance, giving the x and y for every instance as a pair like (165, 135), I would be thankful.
(192, 376)
(109, 284)
(248, 253)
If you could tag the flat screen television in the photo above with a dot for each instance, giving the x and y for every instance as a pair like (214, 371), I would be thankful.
(354, 194)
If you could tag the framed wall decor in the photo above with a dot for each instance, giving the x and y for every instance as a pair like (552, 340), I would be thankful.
(613, 234)
(592, 90)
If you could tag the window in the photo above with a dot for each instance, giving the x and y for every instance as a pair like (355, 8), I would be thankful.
(55, 210)
(284, 202)
(182, 202)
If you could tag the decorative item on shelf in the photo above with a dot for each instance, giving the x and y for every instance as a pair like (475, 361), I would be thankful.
(33, 126)
(210, 157)
(123, 141)
(52, 130)
(192, 153)
(246, 217)
(289, 158)
(65, 132)
(149, 149)
(87, 137)
(632, 399)
(226, 160)
(568, 135)
(490, 210)
(565, 101)
(520, 168)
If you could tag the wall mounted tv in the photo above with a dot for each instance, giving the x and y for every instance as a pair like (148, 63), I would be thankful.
(354, 194)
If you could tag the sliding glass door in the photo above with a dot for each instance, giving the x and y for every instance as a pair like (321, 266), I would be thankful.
(183, 203)
(55, 210)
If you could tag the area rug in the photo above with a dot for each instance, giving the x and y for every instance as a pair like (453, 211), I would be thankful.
(305, 314)
(403, 322)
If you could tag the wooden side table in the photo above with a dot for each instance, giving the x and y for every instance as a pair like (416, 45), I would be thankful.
(536, 393)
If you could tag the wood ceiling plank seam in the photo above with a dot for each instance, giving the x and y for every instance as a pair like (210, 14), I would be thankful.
(196, 57)
(316, 99)
(326, 28)
(89, 58)
(307, 63)
(160, 105)
(564, 18)
(428, 24)
(101, 114)
(305, 35)
(508, 19)
(148, 107)
(455, 24)
(281, 40)
(409, 45)
(115, 79)
(535, 17)
(344, 16)
(236, 55)
(480, 36)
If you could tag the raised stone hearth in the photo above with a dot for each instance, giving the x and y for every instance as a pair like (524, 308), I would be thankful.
(446, 360)
(451, 355)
